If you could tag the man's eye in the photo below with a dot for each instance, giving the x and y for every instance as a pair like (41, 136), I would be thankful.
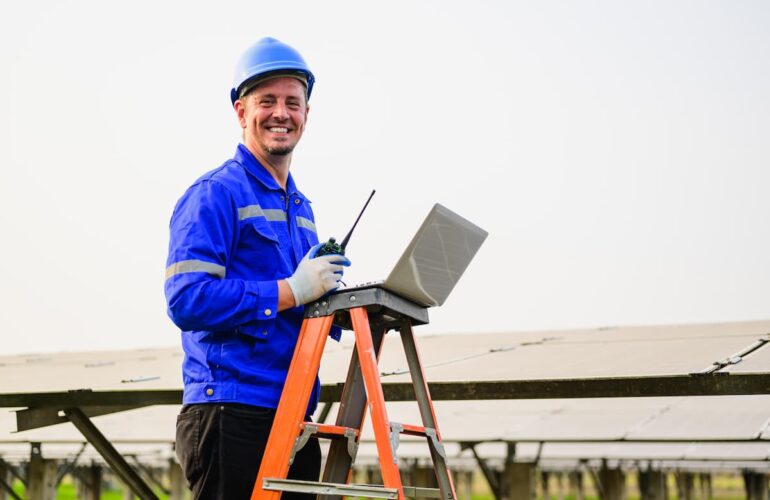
(265, 102)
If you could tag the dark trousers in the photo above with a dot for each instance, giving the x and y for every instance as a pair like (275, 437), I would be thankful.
(220, 447)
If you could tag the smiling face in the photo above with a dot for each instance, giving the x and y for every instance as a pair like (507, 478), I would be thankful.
(273, 117)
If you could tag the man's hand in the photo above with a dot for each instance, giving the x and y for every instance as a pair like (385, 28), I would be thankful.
(316, 276)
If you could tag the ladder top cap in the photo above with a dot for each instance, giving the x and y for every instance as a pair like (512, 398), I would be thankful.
(384, 307)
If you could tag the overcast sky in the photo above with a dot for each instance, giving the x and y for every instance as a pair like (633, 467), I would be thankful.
(618, 153)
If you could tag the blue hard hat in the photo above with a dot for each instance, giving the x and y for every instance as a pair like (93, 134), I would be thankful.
(268, 55)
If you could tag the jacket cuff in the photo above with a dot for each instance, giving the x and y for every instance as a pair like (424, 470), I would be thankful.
(263, 305)
(266, 306)
(265, 296)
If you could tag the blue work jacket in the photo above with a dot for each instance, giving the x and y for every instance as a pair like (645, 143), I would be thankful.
(234, 234)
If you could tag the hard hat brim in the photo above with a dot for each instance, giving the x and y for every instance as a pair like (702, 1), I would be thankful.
(253, 82)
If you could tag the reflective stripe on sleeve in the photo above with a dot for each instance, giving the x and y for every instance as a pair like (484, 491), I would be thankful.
(195, 266)
(306, 223)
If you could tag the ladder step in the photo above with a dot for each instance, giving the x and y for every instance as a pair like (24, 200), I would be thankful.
(360, 490)
(413, 430)
(329, 431)
(417, 492)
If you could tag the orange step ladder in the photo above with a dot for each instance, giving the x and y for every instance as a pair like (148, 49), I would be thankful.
(370, 312)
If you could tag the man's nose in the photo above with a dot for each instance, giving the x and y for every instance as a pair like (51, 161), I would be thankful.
(280, 111)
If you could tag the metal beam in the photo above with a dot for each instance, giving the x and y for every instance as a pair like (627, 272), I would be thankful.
(35, 418)
(110, 454)
(717, 384)
(4, 485)
(531, 439)
(14, 471)
(149, 474)
(325, 410)
(88, 397)
(580, 440)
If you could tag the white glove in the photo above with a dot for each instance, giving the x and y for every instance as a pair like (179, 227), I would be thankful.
(316, 276)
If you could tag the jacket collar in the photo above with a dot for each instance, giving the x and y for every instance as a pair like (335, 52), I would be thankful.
(256, 169)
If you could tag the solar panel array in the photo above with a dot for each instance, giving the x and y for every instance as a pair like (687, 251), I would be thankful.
(616, 428)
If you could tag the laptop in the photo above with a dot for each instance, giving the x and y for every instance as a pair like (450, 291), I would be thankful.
(434, 260)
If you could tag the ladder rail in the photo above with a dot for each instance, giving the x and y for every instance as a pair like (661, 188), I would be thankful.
(428, 414)
(351, 413)
(368, 359)
(291, 410)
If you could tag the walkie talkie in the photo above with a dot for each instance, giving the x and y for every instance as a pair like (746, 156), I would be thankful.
(331, 247)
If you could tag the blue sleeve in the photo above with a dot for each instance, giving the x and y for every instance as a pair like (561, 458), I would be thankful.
(203, 234)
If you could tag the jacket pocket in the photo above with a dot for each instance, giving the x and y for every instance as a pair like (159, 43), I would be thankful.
(262, 228)
(259, 249)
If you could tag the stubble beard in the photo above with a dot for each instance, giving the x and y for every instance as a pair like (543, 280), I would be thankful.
(280, 150)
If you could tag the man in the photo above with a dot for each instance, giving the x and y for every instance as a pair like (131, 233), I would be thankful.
(241, 264)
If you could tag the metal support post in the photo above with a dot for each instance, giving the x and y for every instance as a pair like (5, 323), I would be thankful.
(706, 490)
(176, 478)
(463, 483)
(560, 485)
(94, 474)
(756, 485)
(685, 485)
(652, 485)
(519, 481)
(576, 484)
(545, 478)
(110, 454)
(613, 483)
(41, 476)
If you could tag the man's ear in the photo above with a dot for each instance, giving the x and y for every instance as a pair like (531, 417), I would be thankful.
(240, 112)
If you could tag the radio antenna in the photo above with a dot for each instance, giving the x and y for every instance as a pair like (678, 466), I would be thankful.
(347, 237)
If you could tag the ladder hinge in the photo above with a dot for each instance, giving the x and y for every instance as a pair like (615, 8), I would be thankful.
(395, 437)
(435, 442)
(351, 434)
(307, 432)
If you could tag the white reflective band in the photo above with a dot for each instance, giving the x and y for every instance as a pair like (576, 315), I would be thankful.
(250, 211)
(195, 266)
(275, 214)
(306, 223)
(271, 214)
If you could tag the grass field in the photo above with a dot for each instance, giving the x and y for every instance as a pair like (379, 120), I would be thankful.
(724, 487)
(68, 491)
